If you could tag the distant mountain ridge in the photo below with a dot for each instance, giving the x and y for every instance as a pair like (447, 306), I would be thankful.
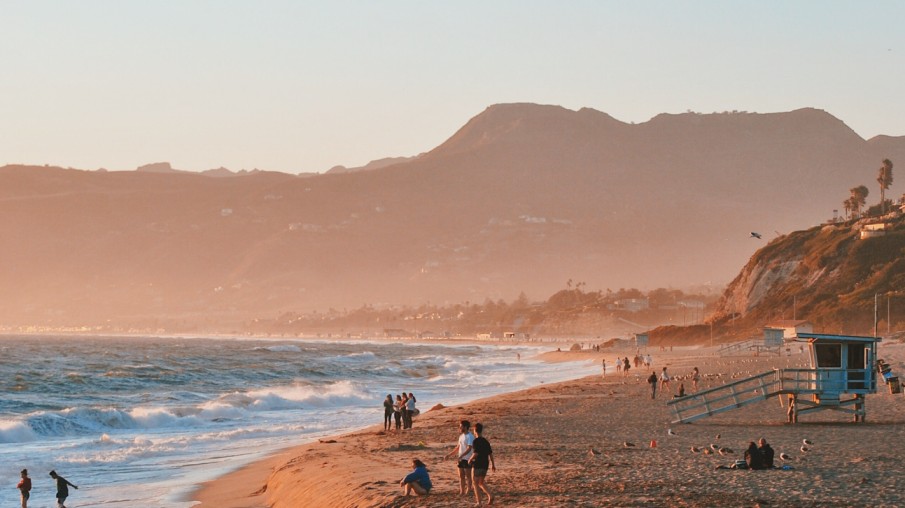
(522, 198)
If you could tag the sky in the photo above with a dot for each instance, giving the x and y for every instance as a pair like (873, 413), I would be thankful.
(301, 86)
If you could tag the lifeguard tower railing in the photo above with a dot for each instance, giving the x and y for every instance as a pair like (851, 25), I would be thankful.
(828, 384)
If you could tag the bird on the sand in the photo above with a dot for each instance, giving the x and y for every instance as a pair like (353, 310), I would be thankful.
(557, 411)
(708, 451)
(592, 452)
(717, 436)
(628, 445)
(714, 447)
(807, 441)
(695, 449)
(725, 451)
(785, 456)
(670, 432)
(804, 449)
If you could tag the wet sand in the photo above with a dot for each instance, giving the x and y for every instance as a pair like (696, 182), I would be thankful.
(563, 445)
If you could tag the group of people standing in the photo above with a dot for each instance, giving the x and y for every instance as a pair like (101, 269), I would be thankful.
(63, 485)
(402, 410)
(474, 458)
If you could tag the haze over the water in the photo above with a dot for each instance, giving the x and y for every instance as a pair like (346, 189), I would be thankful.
(303, 86)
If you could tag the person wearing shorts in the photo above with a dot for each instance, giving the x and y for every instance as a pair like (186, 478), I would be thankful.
(480, 460)
(463, 453)
(24, 488)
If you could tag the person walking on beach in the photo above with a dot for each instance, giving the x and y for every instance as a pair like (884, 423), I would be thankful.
(463, 453)
(664, 380)
(388, 412)
(480, 459)
(397, 411)
(418, 481)
(618, 364)
(652, 380)
(62, 488)
(695, 377)
(24, 487)
(603, 366)
(625, 367)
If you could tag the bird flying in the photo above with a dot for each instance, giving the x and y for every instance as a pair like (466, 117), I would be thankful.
(755, 234)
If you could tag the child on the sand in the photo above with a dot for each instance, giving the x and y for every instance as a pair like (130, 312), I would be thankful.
(418, 481)
(24, 487)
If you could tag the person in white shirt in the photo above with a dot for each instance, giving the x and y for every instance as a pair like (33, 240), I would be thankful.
(664, 380)
(463, 453)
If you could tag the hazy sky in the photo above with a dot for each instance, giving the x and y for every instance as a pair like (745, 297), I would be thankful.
(301, 86)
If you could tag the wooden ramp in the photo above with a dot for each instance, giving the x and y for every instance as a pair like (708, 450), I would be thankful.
(749, 346)
(727, 397)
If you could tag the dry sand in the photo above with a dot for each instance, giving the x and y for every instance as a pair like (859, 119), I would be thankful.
(542, 439)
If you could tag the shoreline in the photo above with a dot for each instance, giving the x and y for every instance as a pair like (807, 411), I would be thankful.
(563, 443)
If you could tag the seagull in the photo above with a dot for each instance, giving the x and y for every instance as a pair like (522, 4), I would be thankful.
(670, 432)
(592, 452)
(755, 235)
(725, 451)
(628, 445)
(717, 436)
(807, 441)
(557, 411)
(695, 449)
(804, 449)
(785, 456)
(708, 451)
(714, 447)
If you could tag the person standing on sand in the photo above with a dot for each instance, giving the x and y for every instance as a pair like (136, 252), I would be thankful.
(625, 367)
(410, 407)
(62, 488)
(695, 377)
(418, 481)
(482, 457)
(24, 487)
(618, 364)
(388, 410)
(652, 380)
(397, 411)
(463, 452)
(603, 366)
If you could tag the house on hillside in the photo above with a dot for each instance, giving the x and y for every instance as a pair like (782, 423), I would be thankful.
(873, 230)
(791, 327)
(631, 304)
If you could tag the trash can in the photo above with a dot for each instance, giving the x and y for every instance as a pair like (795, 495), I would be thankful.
(894, 385)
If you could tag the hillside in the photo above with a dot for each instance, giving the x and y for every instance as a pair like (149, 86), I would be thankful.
(521, 198)
(827, 275)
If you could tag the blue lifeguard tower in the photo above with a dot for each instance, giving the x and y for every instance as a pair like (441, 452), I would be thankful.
(841, 373)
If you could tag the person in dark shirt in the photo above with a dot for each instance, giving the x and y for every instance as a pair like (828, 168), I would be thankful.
(753, 457)
(480, 460)
(388, 413)
(766, 453)
(418, 481)
(62, 488)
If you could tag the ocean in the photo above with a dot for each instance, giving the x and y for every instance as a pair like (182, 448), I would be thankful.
(141, 421)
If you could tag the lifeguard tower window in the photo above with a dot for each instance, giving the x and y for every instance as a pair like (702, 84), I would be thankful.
(829, 356)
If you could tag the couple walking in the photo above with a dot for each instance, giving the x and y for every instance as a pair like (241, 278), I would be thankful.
(474, 456)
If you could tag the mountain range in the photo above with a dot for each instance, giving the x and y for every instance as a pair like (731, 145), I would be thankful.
(521, 199)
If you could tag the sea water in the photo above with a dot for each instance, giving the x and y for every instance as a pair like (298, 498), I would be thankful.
(139, 422)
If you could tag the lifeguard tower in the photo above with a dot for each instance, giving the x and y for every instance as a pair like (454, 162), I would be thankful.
(641, 340)
(841, 373)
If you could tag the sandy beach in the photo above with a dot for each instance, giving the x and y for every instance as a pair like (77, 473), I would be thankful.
(563, 445)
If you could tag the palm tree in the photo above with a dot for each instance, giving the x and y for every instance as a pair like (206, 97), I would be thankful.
(848, 207)
(859, 198)
(884, 178)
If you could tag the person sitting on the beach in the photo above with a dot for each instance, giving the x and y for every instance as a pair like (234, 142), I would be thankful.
(463, 452)
(766, 452)
(418, 481)
(681, 391)
(753, 457)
